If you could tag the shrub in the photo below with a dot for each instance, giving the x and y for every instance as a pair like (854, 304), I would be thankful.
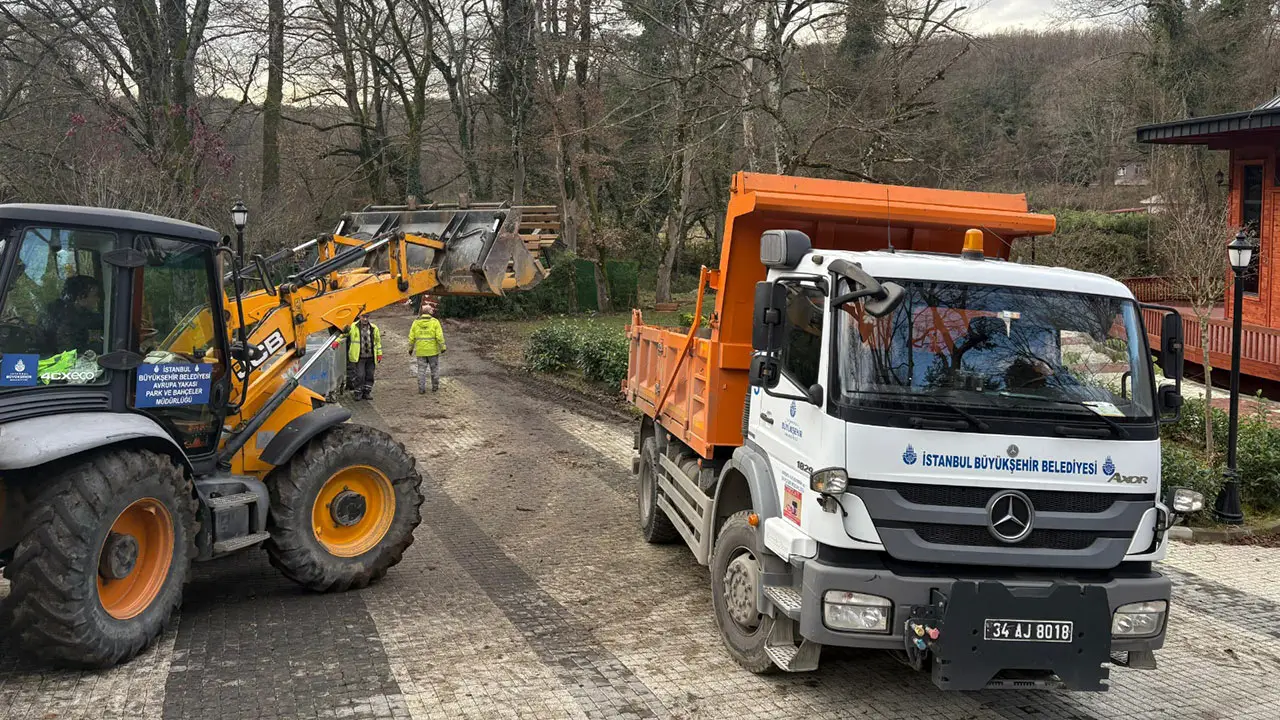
(601, 353)
(603, 356)
(1258, 455)
(553, 348)
(1182, 466)
(1111, 244)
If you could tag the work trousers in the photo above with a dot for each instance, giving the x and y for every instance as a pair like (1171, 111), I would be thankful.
(431, 362)
(360, 377)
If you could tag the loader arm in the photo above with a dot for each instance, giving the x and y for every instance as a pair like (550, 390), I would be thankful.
(374, 260)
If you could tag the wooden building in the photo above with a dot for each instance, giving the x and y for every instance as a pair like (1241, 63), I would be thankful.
(1252, 138)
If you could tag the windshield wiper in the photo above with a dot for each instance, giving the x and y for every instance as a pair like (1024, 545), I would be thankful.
(1116, 427)
(972, 419)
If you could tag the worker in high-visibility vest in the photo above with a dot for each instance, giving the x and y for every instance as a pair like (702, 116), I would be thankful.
(364, 352)
(426, 343)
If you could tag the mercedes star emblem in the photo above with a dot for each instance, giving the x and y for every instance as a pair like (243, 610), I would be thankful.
(1010, 516)
(1013, 451)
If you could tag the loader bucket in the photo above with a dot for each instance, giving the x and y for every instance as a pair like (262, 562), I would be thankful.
(486, 248)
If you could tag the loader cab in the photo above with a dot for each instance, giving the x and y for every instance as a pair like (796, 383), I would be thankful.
(109, 310)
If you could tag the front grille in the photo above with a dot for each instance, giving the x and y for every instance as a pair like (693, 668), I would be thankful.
(978, 536)
(23, 404)
(1043, 500)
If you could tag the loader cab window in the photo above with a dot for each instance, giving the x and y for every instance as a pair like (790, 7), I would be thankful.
(55, 310)
(802, 348)
(176, 333)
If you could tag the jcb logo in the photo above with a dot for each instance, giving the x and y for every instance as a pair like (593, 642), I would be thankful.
(266, 348)
(1129, 479)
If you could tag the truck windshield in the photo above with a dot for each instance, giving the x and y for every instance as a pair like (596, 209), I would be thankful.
(998, 349)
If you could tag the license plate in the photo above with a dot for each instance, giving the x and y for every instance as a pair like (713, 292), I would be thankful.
(1059, 631)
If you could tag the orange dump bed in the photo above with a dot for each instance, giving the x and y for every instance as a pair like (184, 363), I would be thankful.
(694, 383)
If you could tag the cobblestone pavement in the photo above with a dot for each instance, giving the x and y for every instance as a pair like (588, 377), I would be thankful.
(530, 594)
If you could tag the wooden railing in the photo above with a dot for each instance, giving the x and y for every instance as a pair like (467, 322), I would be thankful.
(1259, 346)
(1152, 289)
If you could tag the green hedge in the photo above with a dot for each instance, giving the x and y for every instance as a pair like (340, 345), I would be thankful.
(1258, 452)
(1116, 245)
(600, 352)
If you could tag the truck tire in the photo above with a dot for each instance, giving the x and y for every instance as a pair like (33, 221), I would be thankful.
(733, 593)
(343, 509)
(105, 549)
(655, 526)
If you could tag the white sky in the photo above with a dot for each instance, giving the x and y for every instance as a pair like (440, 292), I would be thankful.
(996, 15)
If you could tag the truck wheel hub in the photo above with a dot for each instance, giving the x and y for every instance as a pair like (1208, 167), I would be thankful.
(347, 508)
(119, 556)
(741, 579)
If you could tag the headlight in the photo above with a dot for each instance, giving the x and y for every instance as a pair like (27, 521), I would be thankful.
(854, 611)
(832, 481)
(1138, 620)
(1186, 501)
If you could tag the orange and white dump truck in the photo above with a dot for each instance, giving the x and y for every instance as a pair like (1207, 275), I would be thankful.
(886, 435)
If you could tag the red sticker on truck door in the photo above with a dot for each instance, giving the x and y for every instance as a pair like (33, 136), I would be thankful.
(791, 506)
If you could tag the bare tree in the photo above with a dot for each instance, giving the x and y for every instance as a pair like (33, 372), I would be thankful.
(1195, 235)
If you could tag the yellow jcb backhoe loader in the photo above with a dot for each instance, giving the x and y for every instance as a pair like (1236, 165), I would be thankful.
(149, 417)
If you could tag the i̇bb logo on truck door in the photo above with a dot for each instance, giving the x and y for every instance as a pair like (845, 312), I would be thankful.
(268, 347)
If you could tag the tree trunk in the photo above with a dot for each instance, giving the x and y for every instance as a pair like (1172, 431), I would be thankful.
(568, 215)
(602, 287)
(1208, 388)
(677, 220)
(271, 105)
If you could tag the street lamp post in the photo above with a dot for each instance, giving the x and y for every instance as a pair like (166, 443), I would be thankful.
(1227, 507)
(239, 218)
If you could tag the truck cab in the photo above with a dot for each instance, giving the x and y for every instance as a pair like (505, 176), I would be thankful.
(989, 425)
(946, 455)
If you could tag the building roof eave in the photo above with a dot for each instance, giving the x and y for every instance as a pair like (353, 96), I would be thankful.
(1201, 130)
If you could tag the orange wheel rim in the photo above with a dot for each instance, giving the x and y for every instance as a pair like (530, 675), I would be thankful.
(134, 559)
(353, 510)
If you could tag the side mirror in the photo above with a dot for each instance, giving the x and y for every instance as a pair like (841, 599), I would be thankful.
(783, 248)
(1171, 346)
(764, 372)
(814, 393)
(1169, 403)
(261, 264)
(1180, 502)
(890, 297)
(768, 317)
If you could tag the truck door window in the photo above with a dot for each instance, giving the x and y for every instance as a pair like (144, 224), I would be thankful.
(56, 307)
(802, 349)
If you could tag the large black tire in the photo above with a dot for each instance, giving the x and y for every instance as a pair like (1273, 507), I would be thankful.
(745, 645)
(294, 547)
(655, 526)
(54, 606)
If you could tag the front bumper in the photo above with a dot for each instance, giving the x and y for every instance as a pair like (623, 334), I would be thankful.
(1089, 599)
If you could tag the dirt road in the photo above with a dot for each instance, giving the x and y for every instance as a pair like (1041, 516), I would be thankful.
(530, 594)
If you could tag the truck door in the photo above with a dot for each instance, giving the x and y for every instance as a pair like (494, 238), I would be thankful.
(789, 430)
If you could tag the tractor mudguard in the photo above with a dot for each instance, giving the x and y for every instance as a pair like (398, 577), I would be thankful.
(299, 430)
(35, 441)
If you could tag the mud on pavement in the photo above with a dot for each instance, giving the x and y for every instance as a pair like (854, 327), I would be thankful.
(529, 593)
